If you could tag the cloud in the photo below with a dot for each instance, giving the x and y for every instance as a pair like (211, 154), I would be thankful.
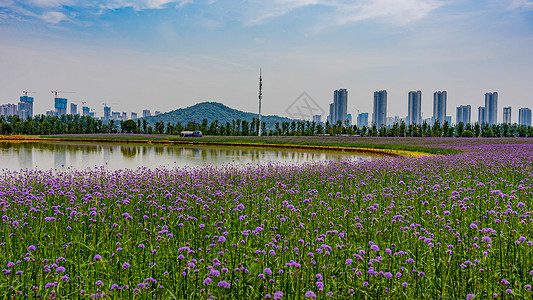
(400, 11)
(6, 3)
(340, 12)
(51, 3)
(142, 4)
(53, 17)
(277, 8)
(521, 4)
(227, 63)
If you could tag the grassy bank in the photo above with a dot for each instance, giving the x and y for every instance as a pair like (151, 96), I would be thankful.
(394, 144)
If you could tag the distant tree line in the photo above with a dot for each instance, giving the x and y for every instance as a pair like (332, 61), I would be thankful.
(75, 124)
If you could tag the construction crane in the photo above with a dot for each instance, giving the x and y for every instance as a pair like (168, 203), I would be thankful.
(26, 92)
(56, 92)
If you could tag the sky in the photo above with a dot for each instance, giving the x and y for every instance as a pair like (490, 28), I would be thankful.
(169, 54)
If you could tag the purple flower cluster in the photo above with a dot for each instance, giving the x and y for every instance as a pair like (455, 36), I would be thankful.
(386, 228)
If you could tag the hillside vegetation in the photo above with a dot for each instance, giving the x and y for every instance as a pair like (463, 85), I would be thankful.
(212, 111)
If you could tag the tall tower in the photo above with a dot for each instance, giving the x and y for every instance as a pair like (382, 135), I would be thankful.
(260, 98)
(340, 102)
(379, 115)
(415, 107)
(491, 108)
(439, 106)
(507, 115)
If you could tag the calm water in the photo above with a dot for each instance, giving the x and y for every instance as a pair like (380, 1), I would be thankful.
(44, 156)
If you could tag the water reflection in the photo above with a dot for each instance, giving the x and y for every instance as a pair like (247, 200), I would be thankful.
(30, 155)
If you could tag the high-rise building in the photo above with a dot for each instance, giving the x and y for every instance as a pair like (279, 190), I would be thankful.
(146, 113)
(317, 119)
(8, 110)
(338, 110)
(124, 116)
(50, 113)
(449, 120)
(26, 106)
(379, 115)
(86, 111)
(340, 101)
(60, 105)
(331, 113)
(349, 118)
(362, 120)
(481, 115)
(439, 106)
(491, 108)
(107, 113)
(507, 115)
(414, 110)
(133, 115)
(524, 116)
(73, 109)
(464, 114)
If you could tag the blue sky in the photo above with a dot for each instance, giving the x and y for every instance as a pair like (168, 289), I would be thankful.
(162, 54)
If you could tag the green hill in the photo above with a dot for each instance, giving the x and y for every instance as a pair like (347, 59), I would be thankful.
(212, 111)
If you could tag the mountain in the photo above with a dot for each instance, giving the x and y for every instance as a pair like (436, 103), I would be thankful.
(212, 111)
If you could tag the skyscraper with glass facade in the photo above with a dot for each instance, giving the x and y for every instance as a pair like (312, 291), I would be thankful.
(524, 116)
(414, 113)
(507, 115)
(491, 108)
(464, 114)
(439, 106)
(379, 114)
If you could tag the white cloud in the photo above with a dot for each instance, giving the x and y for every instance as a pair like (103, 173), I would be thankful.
(6, 3)
(51, 3)
(142, 4)
(400, 11)
(53, 17)
(521, 4)
(340, 12)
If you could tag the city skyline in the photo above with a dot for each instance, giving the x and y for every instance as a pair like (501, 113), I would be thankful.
(337, 109)
(173, 54)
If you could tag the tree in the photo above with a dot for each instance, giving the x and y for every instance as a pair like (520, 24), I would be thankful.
(129, 126)
(459, 129)
(145, 126)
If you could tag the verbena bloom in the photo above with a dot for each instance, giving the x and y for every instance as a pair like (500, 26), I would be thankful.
(374, 247)
(125, 265)
(141, 246)
(278, 295)
(224, 284)
(310, 294)
(267, 271)
(31, 248)
(97, 257)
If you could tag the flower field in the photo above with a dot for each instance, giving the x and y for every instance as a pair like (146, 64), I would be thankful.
(455, 226)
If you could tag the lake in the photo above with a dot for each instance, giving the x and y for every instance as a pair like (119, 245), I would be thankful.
(15, 156)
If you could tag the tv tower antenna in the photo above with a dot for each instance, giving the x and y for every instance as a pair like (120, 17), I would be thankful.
(260, 98)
